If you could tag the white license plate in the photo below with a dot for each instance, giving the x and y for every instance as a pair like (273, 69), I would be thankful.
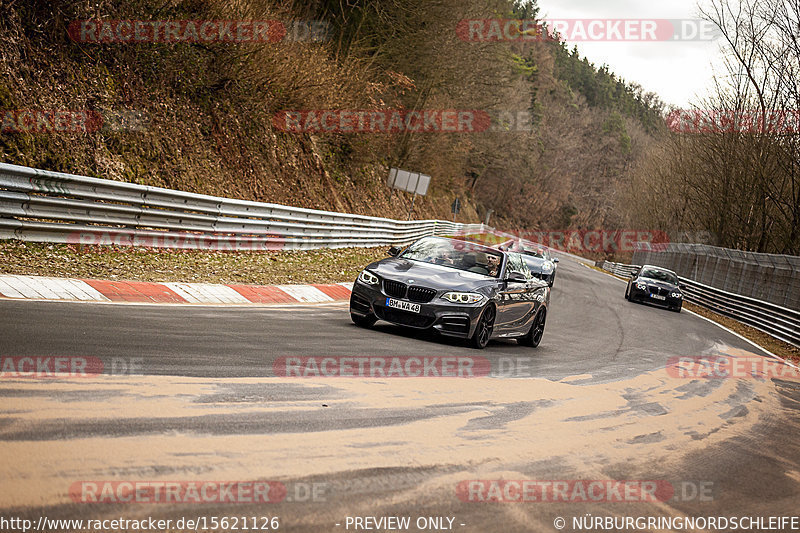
(658, 297)
(405, 306)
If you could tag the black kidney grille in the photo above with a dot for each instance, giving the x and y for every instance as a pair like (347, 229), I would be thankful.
(421, 294)
(395, 289)
(405, 319)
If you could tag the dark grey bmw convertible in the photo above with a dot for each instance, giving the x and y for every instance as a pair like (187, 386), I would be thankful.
(458, 288)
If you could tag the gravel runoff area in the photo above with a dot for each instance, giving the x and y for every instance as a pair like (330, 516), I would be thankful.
(256, 268)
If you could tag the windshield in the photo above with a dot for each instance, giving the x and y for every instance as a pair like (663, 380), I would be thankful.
(540, 253)
(659, 275)
(456, 254)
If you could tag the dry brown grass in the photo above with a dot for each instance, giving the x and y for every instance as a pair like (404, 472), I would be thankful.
(257, 268)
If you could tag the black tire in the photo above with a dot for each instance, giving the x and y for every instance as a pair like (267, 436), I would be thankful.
(483, 332)
(678, 308)
(363, 321)
(534, 336)
(631, 298)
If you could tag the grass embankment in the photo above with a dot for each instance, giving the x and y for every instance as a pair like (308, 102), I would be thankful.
(136, 264)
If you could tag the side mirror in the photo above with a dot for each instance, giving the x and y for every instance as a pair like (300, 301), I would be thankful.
(555, 260)
(394, 251)
(516, 277)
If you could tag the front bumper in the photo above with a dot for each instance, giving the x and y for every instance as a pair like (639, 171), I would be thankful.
(645, 296)
(548, 277)
(449, 319)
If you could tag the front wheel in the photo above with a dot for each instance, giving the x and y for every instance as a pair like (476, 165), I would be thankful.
(534, 336)
(483, 332)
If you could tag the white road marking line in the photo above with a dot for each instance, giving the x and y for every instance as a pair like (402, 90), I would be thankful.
(23, 288)
(58, 286)
(207, 293)
(305, 293)
(779, 358)
(32, 288)
(48, 288)
(40, 287)
(67, 290)
(85, 292)
(8, 291)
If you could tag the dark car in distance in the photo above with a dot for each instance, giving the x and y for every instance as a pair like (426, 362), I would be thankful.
(657, 286)
(457, 288)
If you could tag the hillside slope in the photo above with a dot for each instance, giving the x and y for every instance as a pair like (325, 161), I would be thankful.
(198, 116)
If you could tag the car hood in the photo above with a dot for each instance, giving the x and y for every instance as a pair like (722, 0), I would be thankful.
(428, 275)
(657, 283)
(538, 263)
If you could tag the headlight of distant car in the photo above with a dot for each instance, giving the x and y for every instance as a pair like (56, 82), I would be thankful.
(463, 297)
(547, 266)
(368, 277)
(676, 295)
(641, 286)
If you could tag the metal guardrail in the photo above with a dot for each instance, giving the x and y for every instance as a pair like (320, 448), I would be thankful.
(44, 206)
(617, 268)
(780, 322)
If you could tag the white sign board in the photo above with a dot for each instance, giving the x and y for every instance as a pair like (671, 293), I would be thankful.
(422, 184)
(412, 182)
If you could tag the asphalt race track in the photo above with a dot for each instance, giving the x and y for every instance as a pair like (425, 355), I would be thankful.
(195, 397)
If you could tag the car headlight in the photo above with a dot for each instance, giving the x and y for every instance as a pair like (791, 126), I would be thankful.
(368, 277)
(547, 267)
(641, 286)
(676, 295)
(463, 297)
